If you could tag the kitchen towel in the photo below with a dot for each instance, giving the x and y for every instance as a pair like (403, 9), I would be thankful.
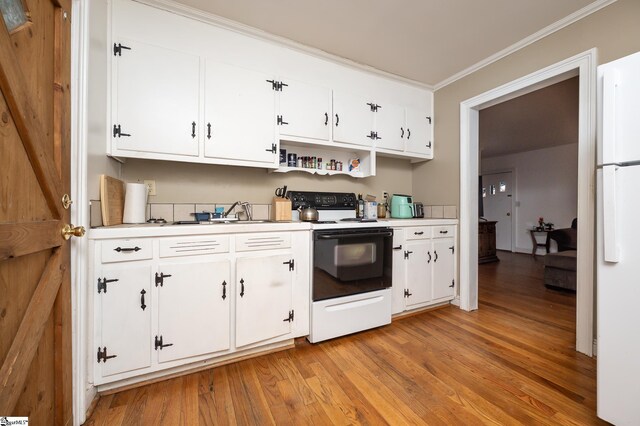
(135, 203)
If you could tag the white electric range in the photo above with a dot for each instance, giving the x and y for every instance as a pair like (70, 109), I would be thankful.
(351, 266)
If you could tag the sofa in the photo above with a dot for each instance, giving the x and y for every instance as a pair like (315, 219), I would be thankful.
(560, 267)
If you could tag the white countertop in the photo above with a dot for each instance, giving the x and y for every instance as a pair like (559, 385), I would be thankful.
(167, 230)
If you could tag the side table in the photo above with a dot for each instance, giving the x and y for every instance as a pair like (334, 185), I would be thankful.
(537, 244)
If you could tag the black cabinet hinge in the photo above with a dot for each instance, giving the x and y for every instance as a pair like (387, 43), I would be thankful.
(429, 144)
(407, 293)
(290, 263)
(453, 249)
(117, 49)
(398, 248)
(102, 284)
(117, 132)
(373, 135)
(102, 355)
(429, 118)
(280, 121)
(374, 107)
(289, 318)
(407, 253)
(453, 283)
(160, 278)
(159, 344)
(273, 149)
(277, 85)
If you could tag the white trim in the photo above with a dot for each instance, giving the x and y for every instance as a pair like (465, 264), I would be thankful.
(81, 396)
(585, 63)
(228, 24)
(556, 26)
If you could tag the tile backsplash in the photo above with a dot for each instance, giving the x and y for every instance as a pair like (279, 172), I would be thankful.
(183, 211)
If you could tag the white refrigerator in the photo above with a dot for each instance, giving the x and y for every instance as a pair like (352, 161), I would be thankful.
(618, 243)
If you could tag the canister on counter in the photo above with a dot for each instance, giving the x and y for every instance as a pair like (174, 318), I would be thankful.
(291, 160)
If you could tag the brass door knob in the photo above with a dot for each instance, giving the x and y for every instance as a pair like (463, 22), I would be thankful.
(73, 231)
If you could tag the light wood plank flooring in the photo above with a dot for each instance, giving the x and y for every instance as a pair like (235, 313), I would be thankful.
(511, 362)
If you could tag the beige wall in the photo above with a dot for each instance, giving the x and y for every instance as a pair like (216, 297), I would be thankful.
(205, 183)
(614, 31)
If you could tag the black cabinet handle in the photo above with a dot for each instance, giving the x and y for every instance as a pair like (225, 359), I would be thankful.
(326, 118)
(444, 232)
(142, 305)
(398, 248)
(418, 233)
(408, 133)
(208, 130)
(224, 290)
(126, 249)
(436, 254)
(429, 253)
(193, 129)
(241, 287)
(337, 120)
(401, 132)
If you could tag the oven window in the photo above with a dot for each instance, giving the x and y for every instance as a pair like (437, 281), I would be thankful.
(354, 254)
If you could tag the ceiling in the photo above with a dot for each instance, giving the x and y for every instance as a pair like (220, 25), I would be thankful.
(541, 119)
(423, 40)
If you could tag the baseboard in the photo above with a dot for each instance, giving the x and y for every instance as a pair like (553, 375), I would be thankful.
(406, 314)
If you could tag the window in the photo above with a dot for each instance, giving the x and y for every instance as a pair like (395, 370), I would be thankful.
(15, 13)
(503, 186)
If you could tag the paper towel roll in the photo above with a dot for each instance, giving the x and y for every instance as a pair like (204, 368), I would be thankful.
(135, 203)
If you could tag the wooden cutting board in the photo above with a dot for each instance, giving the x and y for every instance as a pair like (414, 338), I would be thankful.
(111, 200)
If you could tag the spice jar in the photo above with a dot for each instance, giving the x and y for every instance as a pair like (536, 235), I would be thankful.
(319, 163)
(339, 166)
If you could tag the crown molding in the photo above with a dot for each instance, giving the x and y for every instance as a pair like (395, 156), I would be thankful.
(228, 24)
(556, 26)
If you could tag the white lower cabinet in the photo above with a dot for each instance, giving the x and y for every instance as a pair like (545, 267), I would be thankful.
(424, 266)
(123, 302)
(193, 309)
(263, 298)
(186, 299)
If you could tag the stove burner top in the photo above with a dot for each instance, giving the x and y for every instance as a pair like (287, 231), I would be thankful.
(156, 220)
(323, 221)
(357, 219)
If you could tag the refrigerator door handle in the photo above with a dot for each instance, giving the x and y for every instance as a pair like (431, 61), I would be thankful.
(610, 83)
(609, 216)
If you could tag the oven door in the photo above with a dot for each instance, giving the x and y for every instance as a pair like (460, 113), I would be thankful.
(351, 261)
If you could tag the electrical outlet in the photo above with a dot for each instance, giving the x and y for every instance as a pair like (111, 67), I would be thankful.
(151, 186)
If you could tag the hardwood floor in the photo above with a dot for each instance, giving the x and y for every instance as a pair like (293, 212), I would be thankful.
(511, 362)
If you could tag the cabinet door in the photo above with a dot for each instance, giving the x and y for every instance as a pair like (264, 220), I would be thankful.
(156, 98)
(399, 271)
(306, 110)
(124, 321)
(263, 298)
(443, 268)
(418, 134)
(419, 263)
(239, 115)
(193, 309)
(390, 127)
(352, 119)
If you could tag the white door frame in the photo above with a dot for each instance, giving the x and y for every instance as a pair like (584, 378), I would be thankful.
(584, 65)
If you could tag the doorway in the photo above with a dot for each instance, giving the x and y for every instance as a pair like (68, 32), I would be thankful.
(497, 200)
(583, 65)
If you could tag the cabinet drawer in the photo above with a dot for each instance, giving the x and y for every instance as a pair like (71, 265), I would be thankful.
(191, 246)
(418, 232)
(251, 242)
(444, 231)
(125, 250)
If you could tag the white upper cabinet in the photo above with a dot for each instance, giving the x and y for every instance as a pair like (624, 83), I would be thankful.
(390, 127)
(352, 119)
(239, 115)
(156, 99)
(305, 110)
(418, 132)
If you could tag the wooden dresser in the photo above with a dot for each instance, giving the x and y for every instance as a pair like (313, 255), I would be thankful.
(487, 242)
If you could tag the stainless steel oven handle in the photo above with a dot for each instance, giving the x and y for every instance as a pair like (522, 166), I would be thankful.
(364, 234)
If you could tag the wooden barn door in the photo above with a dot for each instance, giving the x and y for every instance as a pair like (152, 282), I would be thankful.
(35, 293)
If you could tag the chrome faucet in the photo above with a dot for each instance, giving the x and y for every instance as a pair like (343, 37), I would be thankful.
(246, 206)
